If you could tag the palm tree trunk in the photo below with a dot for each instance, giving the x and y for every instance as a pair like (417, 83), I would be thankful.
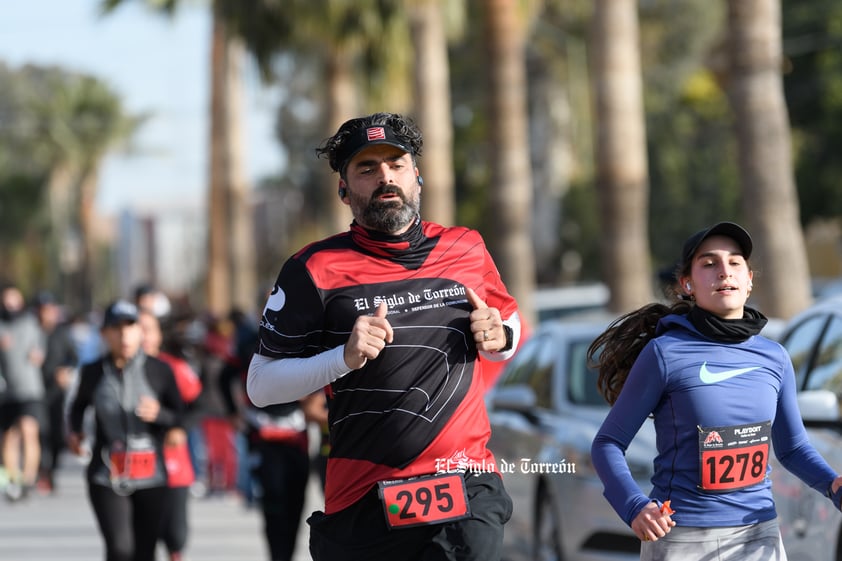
(511, 177)
(87, 219)
(433, 107)
(770, 200)
(342, 105)
(241, 246)
(60, 201)
(218, 277)
(621, 167)
(550, 129)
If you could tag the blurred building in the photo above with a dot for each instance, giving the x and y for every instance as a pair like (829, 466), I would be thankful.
(164, 246)
(278, 229)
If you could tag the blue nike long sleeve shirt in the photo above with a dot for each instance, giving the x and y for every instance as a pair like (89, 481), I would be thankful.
(716, 407)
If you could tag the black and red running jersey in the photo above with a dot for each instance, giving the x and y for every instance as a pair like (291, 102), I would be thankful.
(420, 403)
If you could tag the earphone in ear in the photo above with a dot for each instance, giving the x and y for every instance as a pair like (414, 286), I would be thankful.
(420, 180)
(343, 191)
(687, 286)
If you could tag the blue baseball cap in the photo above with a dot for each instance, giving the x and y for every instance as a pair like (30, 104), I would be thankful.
(119, 313)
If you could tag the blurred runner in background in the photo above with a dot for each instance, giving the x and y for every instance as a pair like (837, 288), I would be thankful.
(58, 370)
(135, 401)
(22, 411)
(180, 474)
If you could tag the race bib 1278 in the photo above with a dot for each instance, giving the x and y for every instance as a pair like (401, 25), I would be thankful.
(733, 457)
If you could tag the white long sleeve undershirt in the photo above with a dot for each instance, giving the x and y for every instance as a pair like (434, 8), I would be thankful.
(288, 379)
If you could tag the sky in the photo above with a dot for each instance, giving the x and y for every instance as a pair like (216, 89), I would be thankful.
(158, 66)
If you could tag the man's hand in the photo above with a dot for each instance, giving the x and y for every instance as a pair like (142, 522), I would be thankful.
(369, 336)
(486, 324)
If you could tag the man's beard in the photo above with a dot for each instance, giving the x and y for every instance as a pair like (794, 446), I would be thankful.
(386, 216)
(7, 314)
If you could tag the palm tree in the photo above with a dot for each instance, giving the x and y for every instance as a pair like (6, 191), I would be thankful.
(621, 166)
(83, 119)
(769, 196)
(506, 27)
(559, 127)
(432, 101)
(231, 274)
(363, 46)
(231, 277)
(23, 168)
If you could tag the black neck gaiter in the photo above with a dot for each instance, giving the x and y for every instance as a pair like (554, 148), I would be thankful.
(409, 249)
(727, 330)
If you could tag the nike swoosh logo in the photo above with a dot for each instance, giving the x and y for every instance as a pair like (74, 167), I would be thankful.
(709, 377)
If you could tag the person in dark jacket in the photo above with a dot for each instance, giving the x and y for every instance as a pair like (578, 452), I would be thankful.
(175, 524)
(278, 445)
(135, 400)
(58, 370)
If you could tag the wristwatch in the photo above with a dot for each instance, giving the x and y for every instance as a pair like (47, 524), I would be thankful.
(510, 337)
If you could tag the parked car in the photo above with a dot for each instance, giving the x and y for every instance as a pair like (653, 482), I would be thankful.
(551, 303)
(568, 301)
(545, 411)
(811, 527)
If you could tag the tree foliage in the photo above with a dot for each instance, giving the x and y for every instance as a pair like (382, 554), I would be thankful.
(691, 144)
(813, 88)
(375, 30)
(52, 119)
(22, 171)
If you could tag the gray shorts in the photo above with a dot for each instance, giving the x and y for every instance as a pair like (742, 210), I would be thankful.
(755, 542)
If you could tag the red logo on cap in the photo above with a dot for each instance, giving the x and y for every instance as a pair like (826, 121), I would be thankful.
(376, 133)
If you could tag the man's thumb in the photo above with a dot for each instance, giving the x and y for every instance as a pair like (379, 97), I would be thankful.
(475, 300)
(381, 310)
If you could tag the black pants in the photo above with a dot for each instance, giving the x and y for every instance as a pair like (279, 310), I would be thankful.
(129, 525)
(282, 472)
(174, 521)
(52, 435)
(359, 532)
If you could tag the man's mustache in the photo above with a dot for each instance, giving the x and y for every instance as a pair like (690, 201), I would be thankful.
(388, 190)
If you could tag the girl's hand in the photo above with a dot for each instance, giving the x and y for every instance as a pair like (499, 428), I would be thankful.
(653, 522)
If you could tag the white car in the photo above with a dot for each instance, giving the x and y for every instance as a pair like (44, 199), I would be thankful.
(545, 411)
(810, 525)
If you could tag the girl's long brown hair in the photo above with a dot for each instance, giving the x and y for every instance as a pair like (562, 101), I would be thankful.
(613, 353)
